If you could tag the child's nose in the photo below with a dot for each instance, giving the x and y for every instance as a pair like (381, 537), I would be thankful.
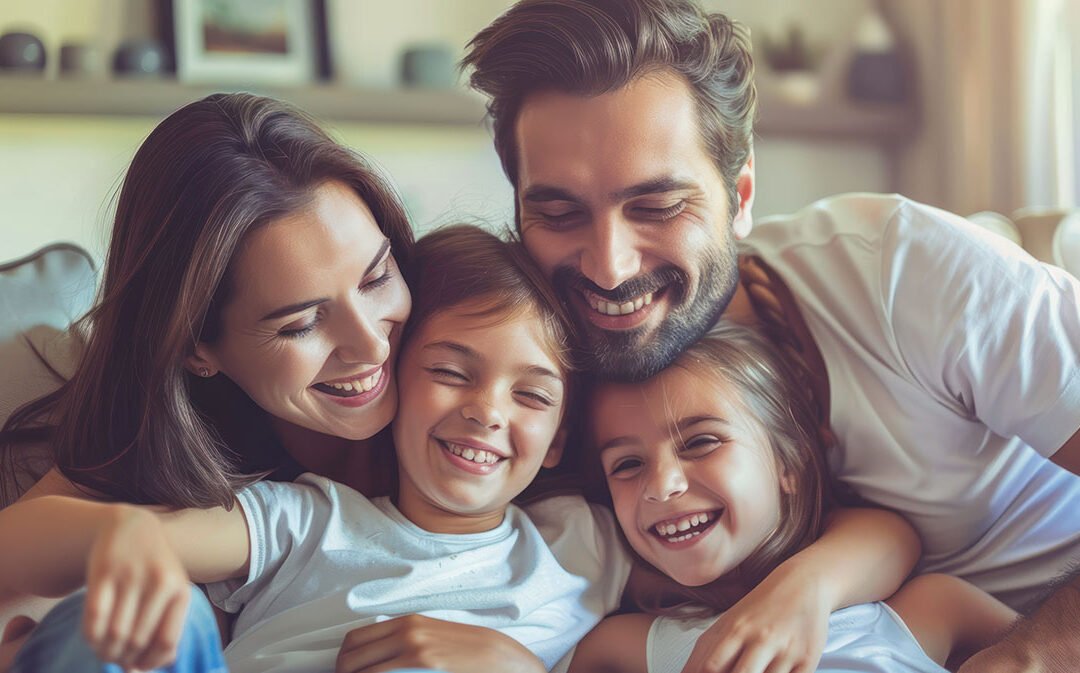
(484, 413)
(666, 480)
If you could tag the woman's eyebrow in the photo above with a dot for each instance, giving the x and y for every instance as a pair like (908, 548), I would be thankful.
(384, 249)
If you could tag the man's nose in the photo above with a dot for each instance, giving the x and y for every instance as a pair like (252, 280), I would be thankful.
(611, 256)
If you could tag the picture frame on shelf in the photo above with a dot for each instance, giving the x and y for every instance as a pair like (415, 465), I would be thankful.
(246, 41)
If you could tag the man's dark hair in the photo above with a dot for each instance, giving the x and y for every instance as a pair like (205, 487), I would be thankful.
(590, 47)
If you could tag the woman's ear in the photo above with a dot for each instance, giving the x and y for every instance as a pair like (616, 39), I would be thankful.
(555, 451)
(202, 362)
(787, 484)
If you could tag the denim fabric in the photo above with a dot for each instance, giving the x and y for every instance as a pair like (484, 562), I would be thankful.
(57, 644)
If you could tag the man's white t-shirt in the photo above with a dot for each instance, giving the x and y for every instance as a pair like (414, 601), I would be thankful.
(326, 560)
(953, 360)
(866, 638)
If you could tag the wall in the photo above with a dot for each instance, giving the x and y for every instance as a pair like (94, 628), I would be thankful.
(56, 173)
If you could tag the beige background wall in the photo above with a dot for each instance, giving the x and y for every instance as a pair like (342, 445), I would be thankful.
(57, 173)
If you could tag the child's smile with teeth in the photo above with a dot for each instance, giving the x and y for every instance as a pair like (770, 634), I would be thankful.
(686, 527)
(469, 453)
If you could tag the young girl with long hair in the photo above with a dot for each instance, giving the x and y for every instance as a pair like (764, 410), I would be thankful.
(713, 470)
(314, 567)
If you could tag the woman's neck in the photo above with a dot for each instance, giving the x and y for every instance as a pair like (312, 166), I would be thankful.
(354, 463)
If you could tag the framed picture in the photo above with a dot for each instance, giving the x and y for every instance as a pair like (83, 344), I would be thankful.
(245, 41)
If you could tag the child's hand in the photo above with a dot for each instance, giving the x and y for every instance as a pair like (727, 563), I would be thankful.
(415, 641)
(137, 593)
(779, 627)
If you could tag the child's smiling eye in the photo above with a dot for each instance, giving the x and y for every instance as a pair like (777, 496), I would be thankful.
(701, 445)
(536, 397)
(624, 467)
(446, 374)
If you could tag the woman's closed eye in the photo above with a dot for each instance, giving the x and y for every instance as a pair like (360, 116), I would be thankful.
(301, 330)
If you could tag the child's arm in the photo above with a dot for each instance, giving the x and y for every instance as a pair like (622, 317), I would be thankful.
(48, 541)
(951, 618)
(134, 562)
(615, 645)
(863, 555)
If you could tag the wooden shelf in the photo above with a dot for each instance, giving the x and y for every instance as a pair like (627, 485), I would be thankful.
(157, 98)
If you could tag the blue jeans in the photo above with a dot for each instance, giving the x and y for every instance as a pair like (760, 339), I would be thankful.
(57, 644)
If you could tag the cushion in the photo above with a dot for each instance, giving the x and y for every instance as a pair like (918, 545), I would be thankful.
(40, 296)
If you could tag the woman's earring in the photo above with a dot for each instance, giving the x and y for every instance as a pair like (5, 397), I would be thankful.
(204, 372)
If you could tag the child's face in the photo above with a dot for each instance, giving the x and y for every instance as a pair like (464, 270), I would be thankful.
(691, 474)
(480, 407)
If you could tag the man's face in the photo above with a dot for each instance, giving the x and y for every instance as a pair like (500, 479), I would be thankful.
(628, 216)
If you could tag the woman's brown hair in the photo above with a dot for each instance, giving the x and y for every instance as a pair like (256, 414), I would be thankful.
(132, 424)
(734, 355)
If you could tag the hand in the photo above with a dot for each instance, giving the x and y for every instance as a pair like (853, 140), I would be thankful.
(137, 593)
(415, 641)
(16, 633)
(779, 627)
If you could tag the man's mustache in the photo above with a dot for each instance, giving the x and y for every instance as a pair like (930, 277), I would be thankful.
(566, 277)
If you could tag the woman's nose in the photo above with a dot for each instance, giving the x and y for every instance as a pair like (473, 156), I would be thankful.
(361, 340)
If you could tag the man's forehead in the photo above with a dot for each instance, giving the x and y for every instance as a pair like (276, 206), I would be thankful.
(617, 141)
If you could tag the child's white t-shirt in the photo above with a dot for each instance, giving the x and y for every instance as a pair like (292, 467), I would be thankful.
(866, 638)
(326, 560)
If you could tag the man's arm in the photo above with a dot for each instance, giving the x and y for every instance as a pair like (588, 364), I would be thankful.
(1047, 641)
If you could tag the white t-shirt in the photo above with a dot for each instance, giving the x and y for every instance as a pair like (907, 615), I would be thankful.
(954, 371)
(866, 638)
(326, 560)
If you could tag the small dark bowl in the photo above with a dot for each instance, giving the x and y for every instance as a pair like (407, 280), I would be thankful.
(23, 52)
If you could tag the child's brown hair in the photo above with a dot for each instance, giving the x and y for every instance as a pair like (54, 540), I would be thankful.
(737, 356)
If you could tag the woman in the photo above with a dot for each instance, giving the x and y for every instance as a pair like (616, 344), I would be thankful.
(248, 320)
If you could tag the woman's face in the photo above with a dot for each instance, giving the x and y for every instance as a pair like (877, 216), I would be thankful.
(692, 478)
(313, 322)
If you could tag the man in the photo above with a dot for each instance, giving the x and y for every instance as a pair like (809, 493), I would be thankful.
(953, 376)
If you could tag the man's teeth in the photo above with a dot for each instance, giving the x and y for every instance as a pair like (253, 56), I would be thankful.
(475, 455)
(670, 528)
(359, 385)
(626, 308)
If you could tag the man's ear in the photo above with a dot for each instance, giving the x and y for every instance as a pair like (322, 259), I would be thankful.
(555, 451)
(743, 221)
(202, 362)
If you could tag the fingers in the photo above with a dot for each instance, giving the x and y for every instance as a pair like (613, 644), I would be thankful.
(158, 629)
(97, 612)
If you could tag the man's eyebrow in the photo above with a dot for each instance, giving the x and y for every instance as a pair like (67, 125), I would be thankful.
(654, 186)
(542, 193)
(383, 251)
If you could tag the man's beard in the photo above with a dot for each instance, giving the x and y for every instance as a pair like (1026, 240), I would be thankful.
(635, 355)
